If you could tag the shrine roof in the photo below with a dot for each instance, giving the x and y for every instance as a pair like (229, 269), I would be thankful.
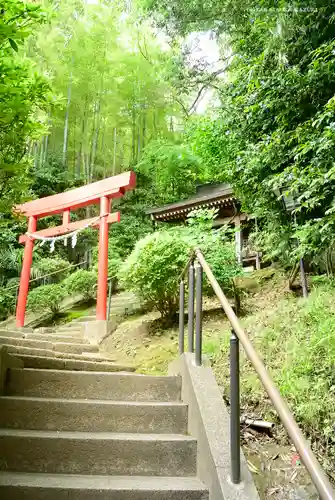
(208, 196)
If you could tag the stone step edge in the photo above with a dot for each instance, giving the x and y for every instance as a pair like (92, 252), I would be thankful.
(90, 363)
(95, 436)
(84, 356)
(109, 402)
(88, 372)
(78, 482)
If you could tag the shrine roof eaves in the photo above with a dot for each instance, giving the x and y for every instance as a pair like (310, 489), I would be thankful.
(225, 196)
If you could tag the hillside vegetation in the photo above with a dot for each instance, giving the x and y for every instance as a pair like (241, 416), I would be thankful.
(294, 336)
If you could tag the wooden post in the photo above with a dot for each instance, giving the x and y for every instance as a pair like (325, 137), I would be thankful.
(25, 274)
(103, 259)
(238, 241)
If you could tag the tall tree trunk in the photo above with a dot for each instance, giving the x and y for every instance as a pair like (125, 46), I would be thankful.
(144, 125)
(138, 143)
(66, 124)
(103, 148)
(171, 124)
(95, 135)
(35, 154)
(82, 135)
(133, 143)
(114, 152)
(41, 151)
(46, 149)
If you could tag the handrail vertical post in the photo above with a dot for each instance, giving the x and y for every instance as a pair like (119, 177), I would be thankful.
(181, 316)
(198, 316)
(191, 308)
(235, 409)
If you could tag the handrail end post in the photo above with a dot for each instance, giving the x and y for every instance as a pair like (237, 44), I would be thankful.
(198, 315)
(191, 308)
(181, 317)
(235, 454)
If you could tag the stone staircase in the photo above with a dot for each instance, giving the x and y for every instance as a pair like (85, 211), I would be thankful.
(74, 425)
(62, 349)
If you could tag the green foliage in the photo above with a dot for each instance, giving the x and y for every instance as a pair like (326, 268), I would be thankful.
(297, 343)
(220, 254)
(108, 73)
(274, 128)
(47, 265)
(202, 218)
(152, 270)
(47, 298)
(114, 265)
(216, 245)
(7, 302)
(82, 282)
(171, 170)
(125, 234)
(23, 95)
(114, 259)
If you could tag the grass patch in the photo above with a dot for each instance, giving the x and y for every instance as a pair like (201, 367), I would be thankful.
(296, 339)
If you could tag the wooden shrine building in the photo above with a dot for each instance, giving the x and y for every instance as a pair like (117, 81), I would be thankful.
(220, 196)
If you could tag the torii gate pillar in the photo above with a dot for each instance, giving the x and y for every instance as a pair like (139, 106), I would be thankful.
(25, 273)
(103, 260)
(98, 192)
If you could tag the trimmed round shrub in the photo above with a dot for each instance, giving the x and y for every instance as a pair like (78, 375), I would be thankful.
(153, 269)
(82, 282)
(47, 298)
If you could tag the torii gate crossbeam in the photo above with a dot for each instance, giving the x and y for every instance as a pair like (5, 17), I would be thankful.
(98, 192)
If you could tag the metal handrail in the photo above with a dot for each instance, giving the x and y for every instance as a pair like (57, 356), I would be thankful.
(319, 478)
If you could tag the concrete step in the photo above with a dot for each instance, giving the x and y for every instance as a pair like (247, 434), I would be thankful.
(97, 453)
(59, 348)
(84, 319)
(56, 363)
(16, 334)
(75, 348)
(18, 351)
(71, 326)
(35, 344)
(44, 329)
(29, 351)
(70, 331)
(53, 337)
(92, 416)
(15, 486)
(88, 385)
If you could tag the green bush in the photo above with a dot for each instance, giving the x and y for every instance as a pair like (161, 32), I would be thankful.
(152, 270)
(7, 302)
(113, 267)
(47, 298)
(125, 234)
(49, 265)
(82, 282)
(114, 259)
(220, 254)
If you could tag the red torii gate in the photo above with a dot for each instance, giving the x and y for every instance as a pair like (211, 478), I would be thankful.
(102, 192)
